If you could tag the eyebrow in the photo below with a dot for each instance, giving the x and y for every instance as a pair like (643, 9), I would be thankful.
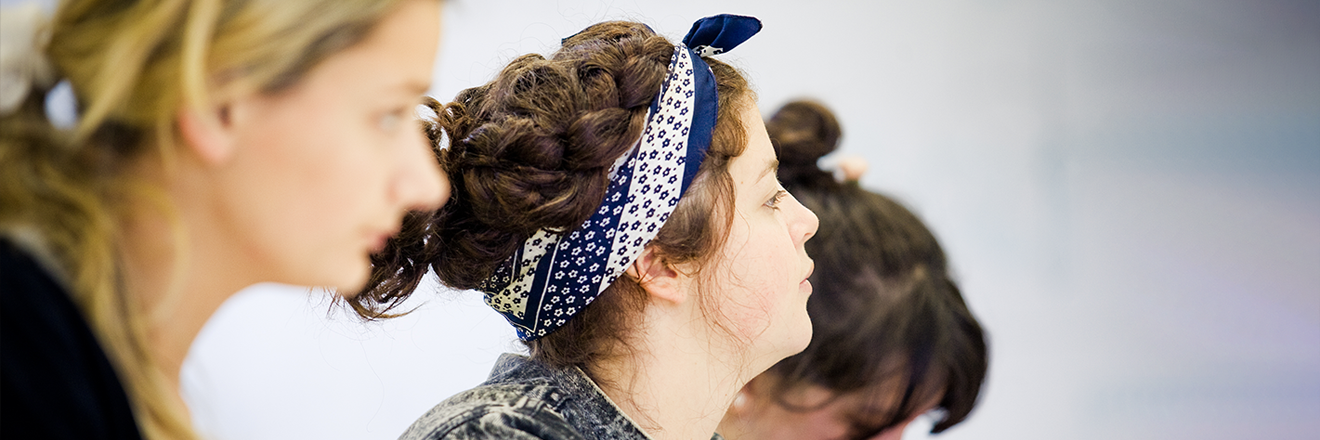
(413, 87)
(773, 166)
(419, 87)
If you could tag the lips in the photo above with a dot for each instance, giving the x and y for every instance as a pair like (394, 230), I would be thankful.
(378, 243)
(380, 239)
(805, 285)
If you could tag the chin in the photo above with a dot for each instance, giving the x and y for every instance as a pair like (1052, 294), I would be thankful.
(800, 344)
(349, 279)
(802, 337)
(351, 286)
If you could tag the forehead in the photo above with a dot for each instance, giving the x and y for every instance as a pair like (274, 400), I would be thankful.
(759, 156)
(878, 404)
(395, 56)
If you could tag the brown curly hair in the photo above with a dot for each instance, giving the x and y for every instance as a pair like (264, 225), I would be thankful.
(532, 149)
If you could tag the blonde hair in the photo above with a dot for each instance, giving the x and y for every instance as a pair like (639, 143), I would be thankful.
(132, 66)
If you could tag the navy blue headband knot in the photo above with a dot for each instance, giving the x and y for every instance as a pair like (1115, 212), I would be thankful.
(721, 33)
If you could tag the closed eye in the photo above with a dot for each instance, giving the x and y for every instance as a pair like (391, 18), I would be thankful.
(390, 120)
(774, 202)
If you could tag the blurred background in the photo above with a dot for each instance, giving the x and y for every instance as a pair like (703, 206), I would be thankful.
(1129, 191)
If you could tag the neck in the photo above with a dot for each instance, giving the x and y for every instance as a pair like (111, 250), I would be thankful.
(178, 271)
(676, 383)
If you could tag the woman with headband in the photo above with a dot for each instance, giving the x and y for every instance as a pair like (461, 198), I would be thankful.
(217, 144)
(893, 338)
(618, 204)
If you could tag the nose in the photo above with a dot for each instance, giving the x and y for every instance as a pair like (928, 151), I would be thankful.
(805, 222)
(420, 183)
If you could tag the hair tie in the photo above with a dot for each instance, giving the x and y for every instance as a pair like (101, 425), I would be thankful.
(24, 33)
(556, 274)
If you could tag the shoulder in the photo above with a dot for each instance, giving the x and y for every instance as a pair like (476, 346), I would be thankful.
(51, 367)
(524, 409)
(39, 317)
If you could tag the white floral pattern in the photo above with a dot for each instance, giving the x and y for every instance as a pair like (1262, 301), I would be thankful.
(553, 276)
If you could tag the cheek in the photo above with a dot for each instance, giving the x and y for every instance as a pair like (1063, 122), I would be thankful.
(342, 202)
(311, 185)
(760, 278)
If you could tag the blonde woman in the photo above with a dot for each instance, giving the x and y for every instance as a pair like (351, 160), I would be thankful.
(217, 144)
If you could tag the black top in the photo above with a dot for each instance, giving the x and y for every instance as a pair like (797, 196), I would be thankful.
(55, 382)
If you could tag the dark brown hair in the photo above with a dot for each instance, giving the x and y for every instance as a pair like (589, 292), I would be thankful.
(886, 314)
(802, 132)
(532, 149)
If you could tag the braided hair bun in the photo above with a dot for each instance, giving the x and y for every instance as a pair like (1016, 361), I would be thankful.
(532, 149)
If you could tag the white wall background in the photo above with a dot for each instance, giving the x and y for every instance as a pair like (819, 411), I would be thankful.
(1129, 191)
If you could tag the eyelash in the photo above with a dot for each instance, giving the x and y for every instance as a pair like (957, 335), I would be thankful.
(391, 120)
(773, 203)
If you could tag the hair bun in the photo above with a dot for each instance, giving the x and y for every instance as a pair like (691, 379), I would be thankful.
(802, 132)
(532, 149)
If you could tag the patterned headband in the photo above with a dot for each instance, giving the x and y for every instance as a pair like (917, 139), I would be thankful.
(555, 275)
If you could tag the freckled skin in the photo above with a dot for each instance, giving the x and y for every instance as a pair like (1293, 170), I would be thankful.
(768, 267)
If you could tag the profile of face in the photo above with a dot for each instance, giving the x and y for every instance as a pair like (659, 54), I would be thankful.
(817, 413)
(765, 284)
(321, 174)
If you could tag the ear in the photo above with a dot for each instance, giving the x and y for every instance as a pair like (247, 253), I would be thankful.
(755, 387)
(657, 278)
(208, 131)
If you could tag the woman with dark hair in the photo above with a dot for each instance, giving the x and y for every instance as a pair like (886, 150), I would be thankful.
(893, 337)
(617, 203)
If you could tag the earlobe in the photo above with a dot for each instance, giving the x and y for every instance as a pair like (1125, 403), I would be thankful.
(745, 400)
(208, 132)
(657, 278)
(740, 402)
